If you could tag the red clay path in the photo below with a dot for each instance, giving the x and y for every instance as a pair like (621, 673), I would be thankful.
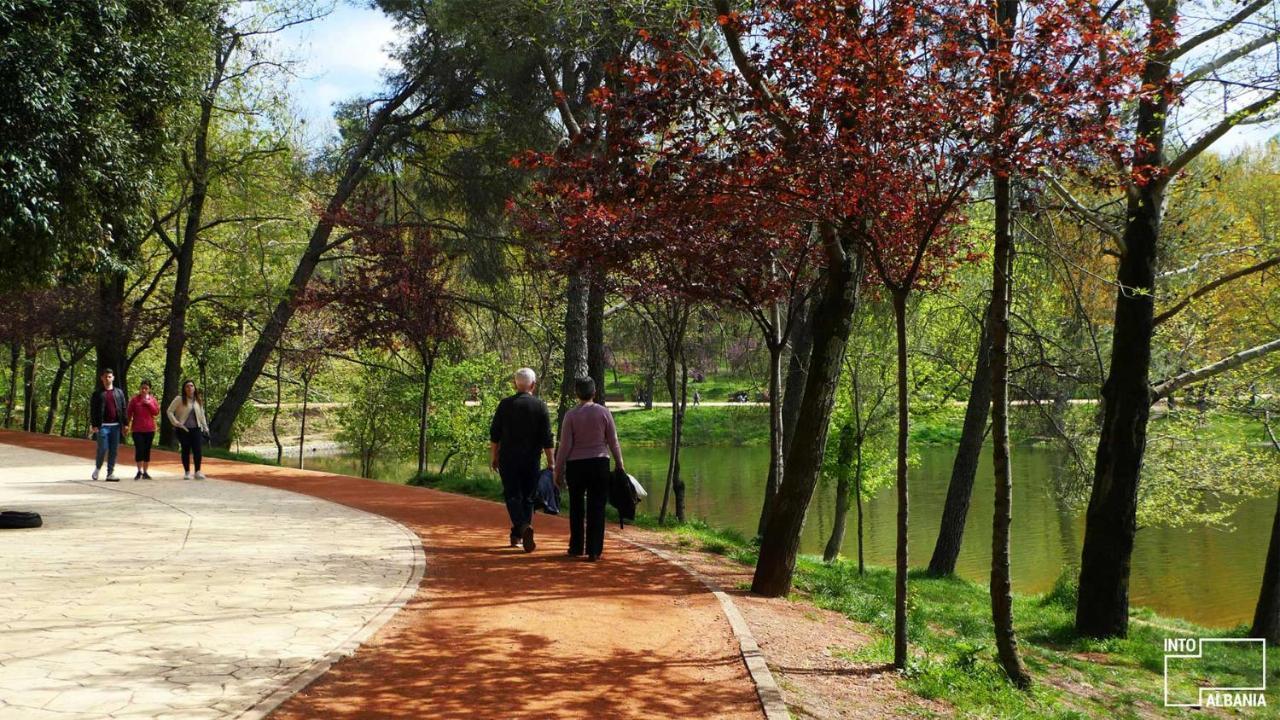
(496, 633)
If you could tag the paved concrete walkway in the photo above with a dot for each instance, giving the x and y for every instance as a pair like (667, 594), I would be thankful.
(181, 599)
(491, 632)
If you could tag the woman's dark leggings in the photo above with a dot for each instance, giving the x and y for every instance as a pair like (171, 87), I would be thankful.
(191, 441)
(142, 446)
(588, 482)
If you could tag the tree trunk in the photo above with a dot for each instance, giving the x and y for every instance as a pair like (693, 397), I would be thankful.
(1266, 617)
(71, 392)
(833, 318)
(11, 402)
(370, 148)
(1001, 292)
(302, 433)
(904, 427)
(857, 495)
(956, 511)
(29, 403)
(844, 460)
(1111, 520)
(595, 338)
(776, 438)
(424, 415)
(54, 388)
(797, 373)
(677, 482)
(110, 342)
(575, 343)
(275, 413)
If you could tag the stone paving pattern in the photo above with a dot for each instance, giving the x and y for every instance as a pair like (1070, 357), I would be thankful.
(177, 599)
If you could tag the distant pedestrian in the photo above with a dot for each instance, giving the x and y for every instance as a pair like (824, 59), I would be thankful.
(186, 414)
(141, 418)
(519, 433)
(106, 416)
(587, 438)
(697, 397)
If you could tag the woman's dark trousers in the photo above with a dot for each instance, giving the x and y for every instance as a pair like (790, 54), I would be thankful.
(192, 443)
(588, 492)
(142, 446)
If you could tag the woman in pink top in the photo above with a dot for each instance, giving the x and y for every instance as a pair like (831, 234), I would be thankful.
(141, 419)
(587, 438)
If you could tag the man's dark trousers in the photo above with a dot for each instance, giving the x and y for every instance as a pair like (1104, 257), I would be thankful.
(519, 488)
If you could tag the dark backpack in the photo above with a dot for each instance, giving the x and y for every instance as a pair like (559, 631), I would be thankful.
(622, 497)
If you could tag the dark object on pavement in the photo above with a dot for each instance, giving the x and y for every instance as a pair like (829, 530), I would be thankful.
(17, 519)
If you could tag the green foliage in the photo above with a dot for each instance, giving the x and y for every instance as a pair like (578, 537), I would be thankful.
(459, 426)
(91, 89)
(381, 415)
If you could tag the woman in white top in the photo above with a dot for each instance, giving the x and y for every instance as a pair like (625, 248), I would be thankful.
(186, 414)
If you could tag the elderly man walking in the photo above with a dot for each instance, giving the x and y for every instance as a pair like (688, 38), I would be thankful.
(519, 433)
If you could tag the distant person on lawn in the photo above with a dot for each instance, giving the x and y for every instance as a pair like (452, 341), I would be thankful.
(587, 438)
(141, 418)
(186, 413)
(106, 416)
(519, 433)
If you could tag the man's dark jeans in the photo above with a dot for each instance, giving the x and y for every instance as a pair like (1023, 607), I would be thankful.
(519, 489)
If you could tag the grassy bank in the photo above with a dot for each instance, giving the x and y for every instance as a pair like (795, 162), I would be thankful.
(952, 642)
(720, 425)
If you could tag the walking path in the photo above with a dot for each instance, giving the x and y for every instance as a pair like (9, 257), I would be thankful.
(490, 633)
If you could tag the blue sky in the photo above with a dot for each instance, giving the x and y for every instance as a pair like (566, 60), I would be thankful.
(344, 55)
(340, 56)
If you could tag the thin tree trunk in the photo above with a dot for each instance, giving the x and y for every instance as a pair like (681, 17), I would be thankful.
(1102, 609)
(670, 376)
(844, 461)
(955, 512)
(302, 433)
(424, 412)
(857, 494)
(677, 482)
(833, 318)
(1266, 616)
(775, 429)
(71, 391)
(1001, 292)
(275, 413)
(595, 338)
(29, 403)
(371, 147)
(575, 342)
(900, 584)
(12, 400)
(55, 386)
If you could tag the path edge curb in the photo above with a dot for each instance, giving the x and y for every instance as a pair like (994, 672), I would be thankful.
(267, 705)
(767, 690)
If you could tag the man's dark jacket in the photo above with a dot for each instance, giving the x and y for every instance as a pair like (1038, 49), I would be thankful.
(98, 406)
(522, 428)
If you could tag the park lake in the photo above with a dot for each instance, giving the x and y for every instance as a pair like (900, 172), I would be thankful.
(1208, 575)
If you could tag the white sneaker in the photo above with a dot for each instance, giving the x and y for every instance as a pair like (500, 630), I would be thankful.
(95, 473)
(199, 475)
(111, 476)
(186, 476)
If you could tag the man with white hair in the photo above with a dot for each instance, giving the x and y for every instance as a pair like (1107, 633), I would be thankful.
(519, 433)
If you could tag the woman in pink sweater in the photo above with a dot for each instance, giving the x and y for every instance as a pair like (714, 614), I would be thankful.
(587, 438)
(141, 419)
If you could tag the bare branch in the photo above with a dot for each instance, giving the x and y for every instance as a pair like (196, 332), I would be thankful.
(1177, 382)
(1213, 134)
(1229, 57)
(1210, 287)
(1222, 28)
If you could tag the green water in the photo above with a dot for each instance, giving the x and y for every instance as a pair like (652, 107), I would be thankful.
(1206, 575)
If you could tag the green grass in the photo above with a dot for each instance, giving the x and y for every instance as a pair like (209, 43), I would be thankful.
(714, 388)
(952, 643)
(721, 425)
(220, 453)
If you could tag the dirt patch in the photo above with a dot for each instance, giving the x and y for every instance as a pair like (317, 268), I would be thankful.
(807, 648)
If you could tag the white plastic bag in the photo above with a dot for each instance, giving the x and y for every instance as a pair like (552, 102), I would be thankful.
(637, 487)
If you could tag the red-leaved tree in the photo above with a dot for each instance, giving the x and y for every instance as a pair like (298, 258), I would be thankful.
(392, 293)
